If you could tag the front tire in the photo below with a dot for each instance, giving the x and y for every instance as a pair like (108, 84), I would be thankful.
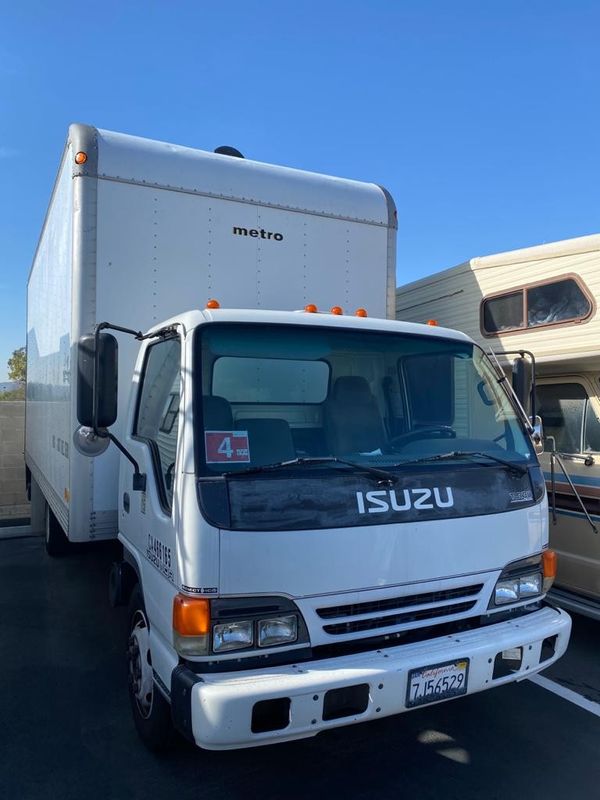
(57, 543)
(151, 711)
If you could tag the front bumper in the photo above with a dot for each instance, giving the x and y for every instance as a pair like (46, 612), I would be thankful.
(216, 710)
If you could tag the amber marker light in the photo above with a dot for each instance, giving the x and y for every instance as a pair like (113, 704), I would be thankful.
(191, 624)
(361, 312)
(81, 157)
(311, 308)
(549, 564)
(191, 615)
(432, 322)
(337, 310)
(213, 304)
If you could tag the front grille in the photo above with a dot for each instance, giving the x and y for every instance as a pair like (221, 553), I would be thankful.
(399, 612)
(391, 603)
(397, 619)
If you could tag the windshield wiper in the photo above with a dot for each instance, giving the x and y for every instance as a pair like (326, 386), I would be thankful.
(384, 478)
(456, 454)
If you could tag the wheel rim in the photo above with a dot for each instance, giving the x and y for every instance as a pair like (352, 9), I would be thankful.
(140, 664)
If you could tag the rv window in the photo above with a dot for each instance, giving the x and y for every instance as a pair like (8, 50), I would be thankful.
(561, 407)
(503, 313)
(556, 302)
(550, 303)
(591, 433)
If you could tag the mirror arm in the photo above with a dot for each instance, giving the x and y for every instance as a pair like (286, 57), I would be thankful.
(102, 326)
(139, 478)
(555, 457)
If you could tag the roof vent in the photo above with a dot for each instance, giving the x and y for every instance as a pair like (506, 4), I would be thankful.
(226, 150)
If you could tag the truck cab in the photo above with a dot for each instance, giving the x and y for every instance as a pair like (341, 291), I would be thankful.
(342, 518)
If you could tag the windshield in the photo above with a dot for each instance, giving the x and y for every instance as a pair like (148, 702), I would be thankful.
(273, 394)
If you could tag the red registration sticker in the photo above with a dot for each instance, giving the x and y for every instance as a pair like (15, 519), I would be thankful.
(227, 447)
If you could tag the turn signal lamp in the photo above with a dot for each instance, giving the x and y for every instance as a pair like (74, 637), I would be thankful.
(549, 563)
(361, 312)
(311, 308)
(81, 157)
(191, 625)
(337, 310)
(432, 322)
(213, 304)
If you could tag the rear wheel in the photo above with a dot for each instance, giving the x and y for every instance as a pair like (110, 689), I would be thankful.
(57, 543)
(151, 711)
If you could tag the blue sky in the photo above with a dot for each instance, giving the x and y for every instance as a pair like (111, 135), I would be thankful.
(481, 118)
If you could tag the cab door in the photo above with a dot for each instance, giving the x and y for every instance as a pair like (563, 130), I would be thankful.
(148, 519)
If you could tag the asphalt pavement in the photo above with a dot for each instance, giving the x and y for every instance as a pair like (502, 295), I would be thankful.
(66, 731)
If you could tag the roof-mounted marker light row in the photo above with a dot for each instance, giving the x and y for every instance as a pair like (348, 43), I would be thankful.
(310, 308)
(336, 310)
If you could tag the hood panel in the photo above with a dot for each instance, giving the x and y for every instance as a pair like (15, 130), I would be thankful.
(317, 562)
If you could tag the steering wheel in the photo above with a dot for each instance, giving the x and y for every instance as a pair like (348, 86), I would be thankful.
(437, 431)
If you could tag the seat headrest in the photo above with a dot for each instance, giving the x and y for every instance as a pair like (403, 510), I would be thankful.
(351, 388)
(217, 413)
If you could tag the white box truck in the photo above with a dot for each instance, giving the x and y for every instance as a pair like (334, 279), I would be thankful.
(326, 516)
(542, 299)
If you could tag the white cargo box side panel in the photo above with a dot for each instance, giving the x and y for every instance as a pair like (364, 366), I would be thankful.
(48, 418)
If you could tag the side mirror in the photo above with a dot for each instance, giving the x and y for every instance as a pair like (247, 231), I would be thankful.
(522, 381)
(97, 381)
(537, 437)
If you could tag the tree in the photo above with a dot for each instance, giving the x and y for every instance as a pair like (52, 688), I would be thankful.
(17, 364)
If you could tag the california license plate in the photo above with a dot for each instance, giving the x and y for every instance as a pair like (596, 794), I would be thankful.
(437, 682)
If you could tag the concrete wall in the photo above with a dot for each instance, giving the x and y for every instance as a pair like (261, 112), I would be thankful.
(13, 500)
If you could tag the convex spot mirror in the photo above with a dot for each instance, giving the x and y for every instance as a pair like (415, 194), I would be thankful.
(88, 443)
(97, 399)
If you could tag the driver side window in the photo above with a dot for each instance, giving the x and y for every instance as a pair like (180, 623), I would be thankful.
(158, 411)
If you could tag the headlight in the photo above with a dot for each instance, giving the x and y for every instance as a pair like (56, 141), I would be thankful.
(519, 588)
(277, 630)
(530, 585)
(506, 592)
(523, 580)
(240, 626)
(232, 636)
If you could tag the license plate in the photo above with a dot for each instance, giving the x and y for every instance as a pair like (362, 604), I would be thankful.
(437, 682)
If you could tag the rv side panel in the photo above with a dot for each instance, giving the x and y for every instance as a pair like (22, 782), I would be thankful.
(454, 297)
